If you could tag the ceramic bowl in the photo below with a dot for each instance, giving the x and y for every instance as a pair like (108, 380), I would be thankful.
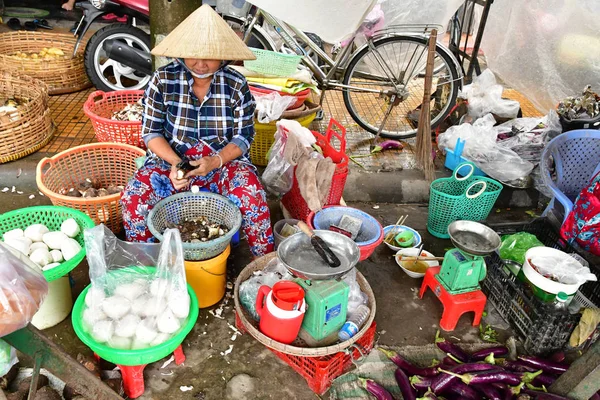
(412, 252)
(400, 228)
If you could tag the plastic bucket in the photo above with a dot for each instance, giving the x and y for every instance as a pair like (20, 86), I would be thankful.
(56, 306)
(279, 226)
(208, 278)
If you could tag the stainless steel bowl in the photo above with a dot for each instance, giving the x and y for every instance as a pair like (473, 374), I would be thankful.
(473, 238)
(301, 259)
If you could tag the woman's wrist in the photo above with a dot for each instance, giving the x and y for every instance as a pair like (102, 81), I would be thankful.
(220, 158)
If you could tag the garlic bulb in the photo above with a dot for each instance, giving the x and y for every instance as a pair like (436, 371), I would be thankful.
(54, 239)
(145, 331)
(179, 304)
(116, 307)
(35, 232)
(94, 297)
(127, 325)
(130, 291)
(13, 234)
(70, 227)
(70, 248)
(167, 322)
(102, 331)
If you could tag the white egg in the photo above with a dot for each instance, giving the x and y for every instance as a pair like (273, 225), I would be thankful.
(145, 331)
(167, 322)
(119, 342)
(102, 331)
(94, 296)
(130, 291)
(127, 325)
(159, 287)
(116, 306)
(179, 304)
(155, 306)
(93, 315)
(160, 339)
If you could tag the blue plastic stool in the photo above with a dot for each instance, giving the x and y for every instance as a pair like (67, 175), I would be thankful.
(235, 239)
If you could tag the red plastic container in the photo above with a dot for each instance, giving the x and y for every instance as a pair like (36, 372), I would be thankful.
(293, 200)
(282, 312)
(300, 96)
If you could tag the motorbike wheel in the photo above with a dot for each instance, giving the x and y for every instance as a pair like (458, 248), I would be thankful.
(107, 74)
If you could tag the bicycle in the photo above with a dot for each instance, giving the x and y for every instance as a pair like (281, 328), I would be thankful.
(381, 81)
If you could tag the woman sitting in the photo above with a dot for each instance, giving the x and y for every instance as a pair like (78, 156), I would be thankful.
(198, 109)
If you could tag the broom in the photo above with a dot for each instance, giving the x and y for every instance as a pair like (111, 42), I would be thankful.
(423, 146)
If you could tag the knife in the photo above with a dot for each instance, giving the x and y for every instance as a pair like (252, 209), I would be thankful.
(320, 246)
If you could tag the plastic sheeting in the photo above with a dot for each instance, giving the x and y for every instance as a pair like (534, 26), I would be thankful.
(546, 49)
(419, 11)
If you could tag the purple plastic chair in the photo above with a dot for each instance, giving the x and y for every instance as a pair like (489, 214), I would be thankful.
(568, 163)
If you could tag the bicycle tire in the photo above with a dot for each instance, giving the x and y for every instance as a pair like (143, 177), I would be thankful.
(258, 39)
(455, 81)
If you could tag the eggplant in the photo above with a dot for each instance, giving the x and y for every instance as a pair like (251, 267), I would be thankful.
(449, 362)
(428, 396)
(545, 365)
(490, 392)
(407, 367)
(519, 366)
(408, 393)
(487, 377)
(445, 379)
(463, 391)
(544, 395)
(558, 357)
(545, 380)
(497, 351)
(421, 382)
(595, 396)
(451, 350)
(472, 367)
(375, 389)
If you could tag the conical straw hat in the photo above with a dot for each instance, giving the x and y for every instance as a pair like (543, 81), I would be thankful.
(204, 35)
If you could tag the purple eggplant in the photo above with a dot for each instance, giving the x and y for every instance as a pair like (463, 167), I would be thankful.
(408, 393)
(421, 382)
(595, 396)
(473, 367)
(407, 367)
(447, 361)
(428, 396)
(502, 389)
(558, 357)
(487, 377)
(375, 389)
(490, 392)
(545, 380)
(544, 395)
(545, 365)
(463, 391)
(519, 366)
(497, 351)
(451, 349)
(444, 380)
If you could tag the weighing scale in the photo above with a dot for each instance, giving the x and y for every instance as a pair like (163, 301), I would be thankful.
(464, 267)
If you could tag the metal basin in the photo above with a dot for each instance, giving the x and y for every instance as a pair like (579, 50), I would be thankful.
(301, 259)
(473, 238)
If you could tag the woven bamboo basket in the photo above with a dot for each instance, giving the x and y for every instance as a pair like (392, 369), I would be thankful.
(30, 127)
(298, 347)
(62, 75)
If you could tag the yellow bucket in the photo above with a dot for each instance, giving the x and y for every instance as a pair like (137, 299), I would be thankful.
(208, 278)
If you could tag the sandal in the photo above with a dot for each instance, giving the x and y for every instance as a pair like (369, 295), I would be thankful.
(42, 23)
(14, 24)
(30, 26)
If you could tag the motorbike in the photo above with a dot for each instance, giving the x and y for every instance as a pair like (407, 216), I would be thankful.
(117, 56)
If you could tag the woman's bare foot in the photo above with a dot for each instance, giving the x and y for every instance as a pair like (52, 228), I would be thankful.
(68, 5)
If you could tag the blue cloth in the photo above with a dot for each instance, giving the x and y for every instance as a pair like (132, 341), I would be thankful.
(173, 111)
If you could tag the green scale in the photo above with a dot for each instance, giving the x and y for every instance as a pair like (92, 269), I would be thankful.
(464, 267)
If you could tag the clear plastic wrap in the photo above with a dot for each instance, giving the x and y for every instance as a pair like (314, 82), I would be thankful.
(23, 288)
(485, 97)
(278, 176)
(138, 297)
(8, 357)
(356, 297)
(270, 106)
(419, 11)
(273, 273)
(566, 270)
(546, 49)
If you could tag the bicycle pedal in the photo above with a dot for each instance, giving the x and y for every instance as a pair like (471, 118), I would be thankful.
(320, 115)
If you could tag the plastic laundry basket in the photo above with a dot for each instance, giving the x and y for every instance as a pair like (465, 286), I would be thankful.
(467, 198)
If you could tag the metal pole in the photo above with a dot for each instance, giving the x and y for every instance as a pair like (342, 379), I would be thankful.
(165, 15)
(474, 55)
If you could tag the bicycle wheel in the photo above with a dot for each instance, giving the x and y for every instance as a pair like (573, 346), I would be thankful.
(400, 59)
(257, 39)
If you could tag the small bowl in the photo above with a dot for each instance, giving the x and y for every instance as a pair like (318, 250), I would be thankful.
(412, 252)
(401, 228)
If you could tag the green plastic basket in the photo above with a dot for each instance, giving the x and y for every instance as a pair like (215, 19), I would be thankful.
(139, 356)
(468, 198)
(272, 63)
(52, 217)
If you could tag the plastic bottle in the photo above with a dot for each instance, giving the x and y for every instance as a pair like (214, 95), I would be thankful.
(560, 303)
(354, 322)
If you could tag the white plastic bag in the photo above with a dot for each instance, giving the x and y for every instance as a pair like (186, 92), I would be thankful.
(8, 357)
(138, 297)
(269, 107)
(566, 270)
(356, 297)
(485, 96)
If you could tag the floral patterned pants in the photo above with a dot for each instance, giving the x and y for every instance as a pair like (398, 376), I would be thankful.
(235, 180)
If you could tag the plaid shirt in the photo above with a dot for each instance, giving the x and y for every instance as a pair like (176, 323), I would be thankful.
(172, 110)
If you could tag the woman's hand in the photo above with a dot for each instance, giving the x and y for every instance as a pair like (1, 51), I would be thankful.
(203, 166)
(178, 183)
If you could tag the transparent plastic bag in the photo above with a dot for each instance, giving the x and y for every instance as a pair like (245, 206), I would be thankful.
(485, 96)
(274, 272)
(356, 297)
(8, 357)
(269, 107)
(566, 270)
(278, 176)
(138, 297)
(515, 246)
(23, 288)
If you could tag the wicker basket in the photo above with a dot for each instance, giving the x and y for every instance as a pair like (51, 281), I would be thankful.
(109, 163)
(30, 127)
(179, 206)
(296, 348)
(64, 75)
(100, 107)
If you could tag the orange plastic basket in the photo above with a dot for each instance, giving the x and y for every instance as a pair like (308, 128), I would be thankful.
(100, 107)
(108, 163)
